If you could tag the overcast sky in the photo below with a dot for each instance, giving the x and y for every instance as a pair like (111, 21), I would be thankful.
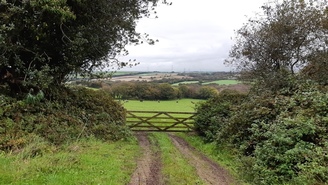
(194, 35)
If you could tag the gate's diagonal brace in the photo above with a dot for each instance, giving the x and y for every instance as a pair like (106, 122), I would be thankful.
(146, 120)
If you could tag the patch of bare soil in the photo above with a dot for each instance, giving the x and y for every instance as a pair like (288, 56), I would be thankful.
(148, 170)
(207, 170)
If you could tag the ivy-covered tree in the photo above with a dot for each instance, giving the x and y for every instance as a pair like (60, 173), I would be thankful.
(44, 41)
(275, 45)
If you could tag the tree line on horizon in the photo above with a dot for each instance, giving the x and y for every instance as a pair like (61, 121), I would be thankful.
(159, 91)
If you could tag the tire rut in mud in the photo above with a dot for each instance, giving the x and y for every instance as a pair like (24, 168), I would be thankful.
(209, 171)
(148, 170)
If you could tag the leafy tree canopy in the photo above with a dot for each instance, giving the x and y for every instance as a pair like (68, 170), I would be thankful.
(43, 41)
(281, 41)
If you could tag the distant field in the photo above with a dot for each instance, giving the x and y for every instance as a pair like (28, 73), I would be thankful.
(118, 73)
(147, 76)
(223, 82)
(219, 82)
(183, 105)
(186, 82)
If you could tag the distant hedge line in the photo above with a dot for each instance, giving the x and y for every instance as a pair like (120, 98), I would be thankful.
(159, 91)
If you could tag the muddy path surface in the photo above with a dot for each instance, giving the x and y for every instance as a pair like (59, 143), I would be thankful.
(208, 170)
(148, 170)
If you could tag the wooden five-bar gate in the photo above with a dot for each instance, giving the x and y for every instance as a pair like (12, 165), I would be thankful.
(160, 121)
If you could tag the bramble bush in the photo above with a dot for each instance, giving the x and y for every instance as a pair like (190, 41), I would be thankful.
(69, 114)
(214, 113)
(282, 136)
(294, 146)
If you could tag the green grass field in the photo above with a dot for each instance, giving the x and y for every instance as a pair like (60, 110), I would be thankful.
(183, 105)
(223, 82)
(119, 73)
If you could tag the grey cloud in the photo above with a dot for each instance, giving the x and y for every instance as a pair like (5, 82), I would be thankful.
(193, 35)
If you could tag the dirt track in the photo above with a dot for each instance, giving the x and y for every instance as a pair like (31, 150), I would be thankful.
(148, 170)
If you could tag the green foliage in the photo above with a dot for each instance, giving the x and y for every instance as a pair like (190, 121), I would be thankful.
(144, 91)
(207, 92)
(281, 136)
(161, 91)
(213, 114)
(318, 67)
(294, 142)
(284, 136)
(279, 41)
(42, 42)
(31, 99)
(167, 92)
(280, 129)
(72, 114)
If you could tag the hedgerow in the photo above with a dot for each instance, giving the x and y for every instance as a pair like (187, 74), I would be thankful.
(213, 114)
(66, 115)
(294, 145)
(282, 136)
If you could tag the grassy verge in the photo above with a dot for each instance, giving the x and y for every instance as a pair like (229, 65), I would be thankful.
(223, 156)
(176, 169)
(84, 162)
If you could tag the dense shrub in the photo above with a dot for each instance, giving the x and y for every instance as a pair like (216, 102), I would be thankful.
(294, 146)
(67, 115)
(143, 91)
(255, 109)
(282, 135)
(207, 92)
(214, 113)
